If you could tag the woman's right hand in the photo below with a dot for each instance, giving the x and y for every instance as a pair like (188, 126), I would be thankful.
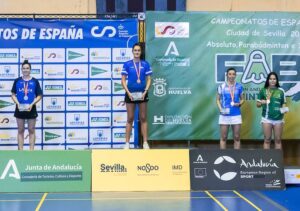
(130, 96)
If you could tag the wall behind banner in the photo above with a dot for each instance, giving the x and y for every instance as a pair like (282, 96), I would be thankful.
(244, 5)
(48, 7)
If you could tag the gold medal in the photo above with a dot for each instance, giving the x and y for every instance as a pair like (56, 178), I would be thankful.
(269, 95)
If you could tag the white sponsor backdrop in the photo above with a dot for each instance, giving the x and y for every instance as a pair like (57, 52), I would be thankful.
(78, 64)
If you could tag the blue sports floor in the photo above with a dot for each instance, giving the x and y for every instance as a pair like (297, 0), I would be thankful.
(154, 201)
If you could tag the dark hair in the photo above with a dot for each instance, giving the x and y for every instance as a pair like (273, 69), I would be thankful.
(268, 77)
(26, 62)
(141, 45)
(137, 44)
(230, 68)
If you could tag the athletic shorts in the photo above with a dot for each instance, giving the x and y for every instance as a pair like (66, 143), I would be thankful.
(128, 100)
(230, 120)
(26, 114)
(270, 121)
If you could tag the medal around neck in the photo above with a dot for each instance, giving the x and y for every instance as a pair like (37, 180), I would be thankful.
(25, 91)
(138, 71)
(232, 90)
(269, 94)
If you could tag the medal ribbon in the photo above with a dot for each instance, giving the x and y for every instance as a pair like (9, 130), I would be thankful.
(269, 94)
(25, 88)
(137, 70)
(232, 91)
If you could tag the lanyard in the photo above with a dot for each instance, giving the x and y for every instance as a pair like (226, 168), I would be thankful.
(26, 88)
(269, 93)
(138, 71)
(232, 90)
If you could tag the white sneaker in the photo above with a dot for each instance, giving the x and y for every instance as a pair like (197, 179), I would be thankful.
(146, 145)
(126, 146)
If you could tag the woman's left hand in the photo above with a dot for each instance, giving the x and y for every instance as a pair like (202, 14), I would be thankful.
(144, 95)
(30, 107)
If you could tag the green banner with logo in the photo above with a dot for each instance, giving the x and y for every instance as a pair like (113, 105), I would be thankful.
(190, 52)
(45, 171)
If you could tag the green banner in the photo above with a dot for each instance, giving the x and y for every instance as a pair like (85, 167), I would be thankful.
(190, 52)
(45, 171)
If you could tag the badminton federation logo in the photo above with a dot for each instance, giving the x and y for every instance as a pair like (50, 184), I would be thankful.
(254, 70)
(224, 160)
